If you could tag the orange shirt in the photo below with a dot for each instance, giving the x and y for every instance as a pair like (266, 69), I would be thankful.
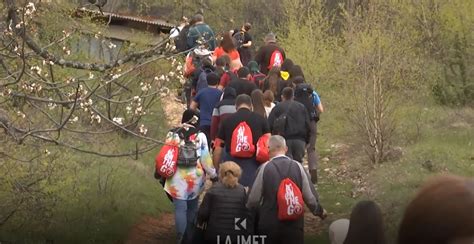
(220, 51)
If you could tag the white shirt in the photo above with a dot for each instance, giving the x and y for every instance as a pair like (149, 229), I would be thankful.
(269, 109)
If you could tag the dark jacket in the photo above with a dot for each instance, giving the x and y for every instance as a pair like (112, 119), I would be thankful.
(243, 86)
(256, 122)
(201, 30)
(265, 53)
(263, 196)
(220, 208)
(298, 123)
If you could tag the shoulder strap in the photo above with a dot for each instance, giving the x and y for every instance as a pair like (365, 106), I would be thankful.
(278, 170)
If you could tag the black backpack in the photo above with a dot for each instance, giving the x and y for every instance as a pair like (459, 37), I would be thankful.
(239, 38)
(181, 40)
(187, 153)
(304, 95)
(280, 125)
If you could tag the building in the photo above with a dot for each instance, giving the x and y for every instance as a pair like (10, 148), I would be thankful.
(121, 29)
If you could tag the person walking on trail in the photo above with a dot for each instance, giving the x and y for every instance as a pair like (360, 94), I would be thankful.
(243, 41)
(365, 226)
(227, 47)
(290, 119)
(243, 85)
(305, 94)
(258, 103)
(270, 54)
(187, 183)
(238, 135)
(256, 76)
(222, 65)
(285, 69)
(223, 110)
(201, 34)
(268, 99)
(223, 203)
(274, 193)
(200, 78)
(206, 100)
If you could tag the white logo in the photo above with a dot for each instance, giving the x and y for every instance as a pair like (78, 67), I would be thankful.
(240, 223)
(294, 205)
(168, 162)
(278, 60)
(242, 140)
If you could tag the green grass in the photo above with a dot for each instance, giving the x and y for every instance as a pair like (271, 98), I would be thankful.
(96, 200)
(444, 136)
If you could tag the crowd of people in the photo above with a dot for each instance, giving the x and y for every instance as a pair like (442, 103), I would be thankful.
(249, 124)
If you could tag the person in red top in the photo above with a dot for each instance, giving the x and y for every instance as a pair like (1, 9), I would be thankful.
(227, 47)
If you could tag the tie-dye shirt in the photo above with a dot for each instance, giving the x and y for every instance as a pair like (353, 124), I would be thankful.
(188, 182)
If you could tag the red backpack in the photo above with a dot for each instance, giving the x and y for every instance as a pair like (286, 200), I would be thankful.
(166, 161)
(262, 149)
(276, 59)
(241, 145)
(289, 200)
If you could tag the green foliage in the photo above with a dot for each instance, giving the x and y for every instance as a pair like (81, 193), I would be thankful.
(446, 36)
(78, 198)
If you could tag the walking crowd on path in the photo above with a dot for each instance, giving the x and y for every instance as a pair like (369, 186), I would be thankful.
(249, 124)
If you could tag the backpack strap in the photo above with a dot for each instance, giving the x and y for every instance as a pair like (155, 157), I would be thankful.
(278, 170)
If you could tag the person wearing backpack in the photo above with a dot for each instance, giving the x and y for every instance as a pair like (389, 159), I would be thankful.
(305, 94)
(206, 99)
(223, 109)
(243, 85)
(270, 54)
(200, 34)
(192, 69)
(237, 139)
(243, 42)
(179, 33)
(279, 193)
(290, 119)
(223, 203)
(256, 76)
(226, 47)
(201, 75)
(193, 164)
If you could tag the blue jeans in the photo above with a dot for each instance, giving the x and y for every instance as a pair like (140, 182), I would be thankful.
(185, 213)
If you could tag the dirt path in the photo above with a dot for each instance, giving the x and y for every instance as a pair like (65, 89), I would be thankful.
(151, 230)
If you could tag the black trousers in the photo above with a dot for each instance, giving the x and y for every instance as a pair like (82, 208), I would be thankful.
(296, 149)
(206, 129)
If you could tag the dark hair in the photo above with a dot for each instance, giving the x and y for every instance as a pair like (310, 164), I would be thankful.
(206, 63)
(441, 212)
(268, 98)
(287, 93)
(226, 57)
(227, 43)
(222, 60)
(197, 18)
(243, 99)
(188, 115)
(297, 80)
(272, 79)
(366, 224)
(243, 72)
(247, 26)
(258, 103)
(212, 79)
(287, 65)
(296, 71)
